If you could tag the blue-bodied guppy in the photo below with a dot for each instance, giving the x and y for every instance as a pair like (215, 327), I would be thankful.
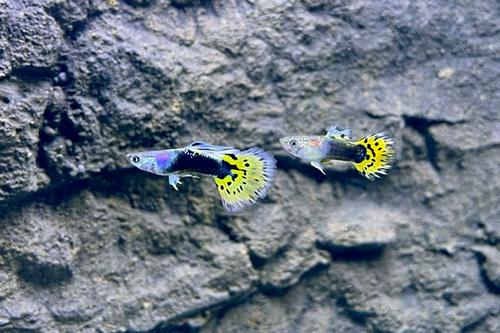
(372, 155)
(242, 177)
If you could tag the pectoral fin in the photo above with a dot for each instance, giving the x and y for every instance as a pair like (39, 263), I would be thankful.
(174, 180)
(318, 166)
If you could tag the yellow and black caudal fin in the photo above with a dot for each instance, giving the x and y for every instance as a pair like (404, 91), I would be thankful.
(252, 172)
(379, 155)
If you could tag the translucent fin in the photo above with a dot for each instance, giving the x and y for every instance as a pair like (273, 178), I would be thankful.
(318, 166)
(338, 133)
(185, 175)
(328, 163)
(207, 149)
(173, 180)
(252, 173)
(379, 155)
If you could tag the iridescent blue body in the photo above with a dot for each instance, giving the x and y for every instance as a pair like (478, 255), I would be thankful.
(183, 162)
(241, 177)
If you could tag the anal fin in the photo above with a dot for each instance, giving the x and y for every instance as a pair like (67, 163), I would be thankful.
(328, 163)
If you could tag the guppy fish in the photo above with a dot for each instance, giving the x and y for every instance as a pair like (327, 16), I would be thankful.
(371, 155)
(242, 177)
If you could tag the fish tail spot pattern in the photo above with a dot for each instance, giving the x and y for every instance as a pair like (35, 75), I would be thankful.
(252, 172)
(379, 155)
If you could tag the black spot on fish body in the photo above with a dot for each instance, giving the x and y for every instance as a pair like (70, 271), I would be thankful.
(229, 183)
(247, 165)
(376, 143)
(222, 187)
(228, 192)
(366, 140)
(189, 161)
(361, 154)
(233, 156)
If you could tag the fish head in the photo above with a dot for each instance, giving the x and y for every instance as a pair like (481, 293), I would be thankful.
(309, 148)
(156, 161)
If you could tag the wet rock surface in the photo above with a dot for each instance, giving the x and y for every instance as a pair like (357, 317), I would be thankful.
(89, 244)
(490, 258)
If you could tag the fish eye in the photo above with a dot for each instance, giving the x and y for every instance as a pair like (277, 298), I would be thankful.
(293, 143)
(135, 159)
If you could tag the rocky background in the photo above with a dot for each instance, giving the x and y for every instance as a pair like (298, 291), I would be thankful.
(90, 244)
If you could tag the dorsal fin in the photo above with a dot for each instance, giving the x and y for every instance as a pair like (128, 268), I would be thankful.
(338, 133)
(208, 149)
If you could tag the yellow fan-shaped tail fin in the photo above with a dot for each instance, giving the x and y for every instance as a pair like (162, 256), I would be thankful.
(252, 174)
(379, 155)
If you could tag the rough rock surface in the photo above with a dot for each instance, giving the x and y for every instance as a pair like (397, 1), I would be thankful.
(89, 244)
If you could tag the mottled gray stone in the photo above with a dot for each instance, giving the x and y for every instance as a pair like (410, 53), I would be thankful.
(22, 117)
(490, 263)
(360, 226)
(286, 270)
(35, 39)
(89, 244)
